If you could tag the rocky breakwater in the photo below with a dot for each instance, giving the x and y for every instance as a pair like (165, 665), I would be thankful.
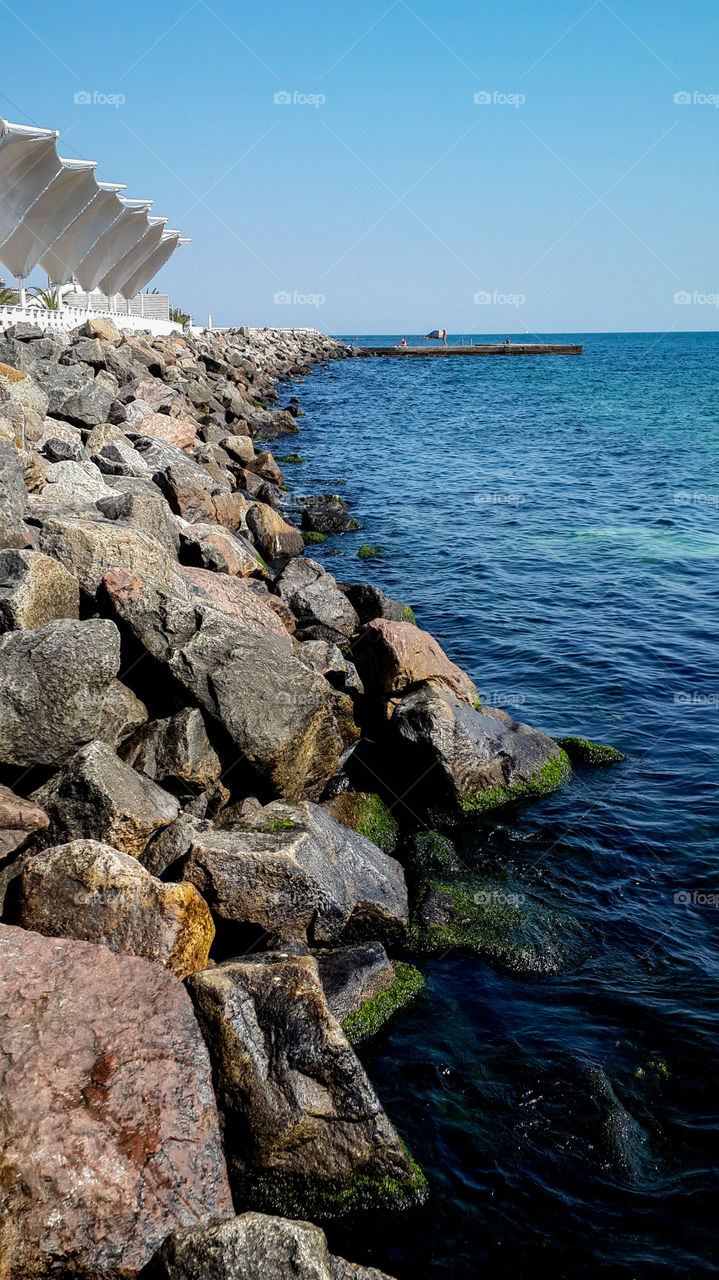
(202, 910)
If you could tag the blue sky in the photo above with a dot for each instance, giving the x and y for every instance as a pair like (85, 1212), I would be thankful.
(580, 197)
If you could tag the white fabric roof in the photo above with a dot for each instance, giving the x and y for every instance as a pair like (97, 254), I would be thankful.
(54, 213)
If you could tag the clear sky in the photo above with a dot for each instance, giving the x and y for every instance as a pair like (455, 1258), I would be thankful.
(382, 197)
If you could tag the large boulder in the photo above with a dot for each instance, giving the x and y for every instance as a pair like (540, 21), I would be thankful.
(88, 548)
(370, 602)
(109, 1136)
(314, 597)
(219, 550)
(53, 685)
(92, 892)
(35, 590)
(179, 431)
(20, 388)
(472, 759)
(238, 598)
(140, 503)
(293, 871)
(280, 716)
(76, 480)
(275, 539)
(256, 1246)
(13, 498)
(19, 819)
(96, 796)
(74, 395)
(175, 752)
(394, 657)
(305, 1133)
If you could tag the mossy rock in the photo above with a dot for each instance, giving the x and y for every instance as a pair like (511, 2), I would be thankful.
(312, 539)
(368, 815)
(553, 774)
(371, 553)
(582, 751)
(367, 1020)
(292, 1197)
(408, 615)
(430, 854)
(496, 921)
(291, 458)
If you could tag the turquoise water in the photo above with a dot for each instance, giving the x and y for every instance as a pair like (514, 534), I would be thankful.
(555, 523)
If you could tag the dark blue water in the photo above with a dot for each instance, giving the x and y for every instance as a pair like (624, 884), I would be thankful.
(555, 523)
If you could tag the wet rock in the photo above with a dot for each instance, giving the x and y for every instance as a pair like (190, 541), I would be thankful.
(472, 759)
(93, 893)
(109, 1128)
(363, 987)
(305, 1131)
(370, 603)
(581, 751)
(13, 498)
(19, 819)
(256, 1246)
(293, 870)
(96, 796)
(263, 464)
(274, 537)
(35, 589)
(175, 752)
(53, 685)
(393, 657)
(314, 597)
(280, 716)
(327, 514)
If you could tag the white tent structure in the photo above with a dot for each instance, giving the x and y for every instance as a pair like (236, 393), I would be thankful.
(55, 214)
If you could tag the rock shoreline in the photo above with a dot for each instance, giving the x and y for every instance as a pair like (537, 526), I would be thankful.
(204, 907)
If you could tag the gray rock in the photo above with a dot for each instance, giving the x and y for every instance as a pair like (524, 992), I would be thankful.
(93, 893)
(314, 597)
(304, 1130)
(90, 546)
(56, 450)
(477, 759)
(140, 503)
(294, 871)
(352, 975)
(370, 603)
(256, 1246)
(280, 716)
(96, 796)
(175, 751)
(327, 660)
(13, 498)
(73, 394)
(23, 389)
(122, 714)
(77, 480)
(53, 683)
(34, 590)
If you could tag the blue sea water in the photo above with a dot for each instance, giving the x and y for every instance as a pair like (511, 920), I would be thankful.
(554, 522)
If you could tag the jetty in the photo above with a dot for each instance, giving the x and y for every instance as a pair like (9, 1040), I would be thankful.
(481, 349)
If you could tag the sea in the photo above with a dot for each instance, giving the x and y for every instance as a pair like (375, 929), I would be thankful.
(554, 522)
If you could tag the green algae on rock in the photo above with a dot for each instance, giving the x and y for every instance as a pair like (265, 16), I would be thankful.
(582, 751)
(431, 854)
(311, 539)
(371, 553)
(553, 774)
(291, 1197)
(368, 815)
(373, 1014)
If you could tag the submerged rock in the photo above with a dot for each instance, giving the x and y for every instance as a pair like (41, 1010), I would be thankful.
(581, 751)
(305, 1132)
(108, 1129)
(472, 759)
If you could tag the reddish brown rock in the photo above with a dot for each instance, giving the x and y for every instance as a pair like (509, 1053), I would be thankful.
(19, 819)
(235, 597)
(274, 537)
(109, 1137)
(179, 431)
(394, 657)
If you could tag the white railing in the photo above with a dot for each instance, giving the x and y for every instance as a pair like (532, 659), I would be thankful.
(70, 317)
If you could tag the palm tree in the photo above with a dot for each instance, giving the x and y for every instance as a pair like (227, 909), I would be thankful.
(46, 298)
(9, 297)
(177, 316)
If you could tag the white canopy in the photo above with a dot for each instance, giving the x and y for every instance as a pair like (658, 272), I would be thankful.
(152, 265)
(54, 213)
